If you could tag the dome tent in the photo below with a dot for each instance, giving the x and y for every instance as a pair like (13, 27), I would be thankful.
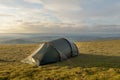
(53, 51)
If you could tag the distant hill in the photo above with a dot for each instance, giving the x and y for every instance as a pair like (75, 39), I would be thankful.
(36, 38)
(17, 41)
(44, 39)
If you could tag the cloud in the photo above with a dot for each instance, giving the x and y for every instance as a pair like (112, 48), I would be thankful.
(62, 9)
(37, 27)
(67, 10)
(60, 15)
(58, 5)
(62, 5)
(81, 10)
(34, 1)
(7, 15)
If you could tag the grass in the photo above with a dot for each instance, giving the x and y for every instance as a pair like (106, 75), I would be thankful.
(98, 60)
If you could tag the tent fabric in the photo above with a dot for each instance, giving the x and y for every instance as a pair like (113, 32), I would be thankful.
(53, 51)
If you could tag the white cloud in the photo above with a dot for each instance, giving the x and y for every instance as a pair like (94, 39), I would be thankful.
(62, 5)
(34, 1)
(62, 9)
(37, 27)
(80, 10)
(49, 15)
(67, 10)
(7, 15)
(58, 5)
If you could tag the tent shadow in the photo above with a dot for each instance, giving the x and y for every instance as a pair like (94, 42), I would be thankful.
(89, 60)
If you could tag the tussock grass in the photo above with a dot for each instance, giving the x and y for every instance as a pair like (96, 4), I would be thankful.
(98, 60)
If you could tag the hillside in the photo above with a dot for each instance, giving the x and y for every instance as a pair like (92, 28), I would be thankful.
(98, 60)
(16, 41)
(20, 38)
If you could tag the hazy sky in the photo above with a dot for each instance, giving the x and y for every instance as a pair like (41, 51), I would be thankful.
(59, 16)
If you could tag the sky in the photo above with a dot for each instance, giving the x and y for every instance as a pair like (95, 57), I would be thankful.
(59, 16)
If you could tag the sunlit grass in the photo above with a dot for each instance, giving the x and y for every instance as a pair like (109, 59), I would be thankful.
(98, 60)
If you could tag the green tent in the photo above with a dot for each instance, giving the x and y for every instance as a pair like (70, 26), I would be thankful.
(53, 51)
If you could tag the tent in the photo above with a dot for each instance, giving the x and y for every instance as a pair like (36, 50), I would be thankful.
(53, 51)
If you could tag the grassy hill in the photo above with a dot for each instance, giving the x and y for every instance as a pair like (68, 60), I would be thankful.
(98, 60)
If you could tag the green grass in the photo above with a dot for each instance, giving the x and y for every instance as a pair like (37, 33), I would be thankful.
(98, 60)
